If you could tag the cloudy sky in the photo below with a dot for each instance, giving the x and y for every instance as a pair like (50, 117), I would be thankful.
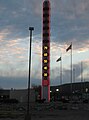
(69, 23)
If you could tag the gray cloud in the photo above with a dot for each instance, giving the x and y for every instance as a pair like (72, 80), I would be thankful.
(69, 19)
(17, 82)
(17, 16)
(14, 82)
(21, 82)
(55, 74)
(69, 22)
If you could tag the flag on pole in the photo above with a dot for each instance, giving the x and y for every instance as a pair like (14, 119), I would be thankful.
(59, 59)
(70, 47)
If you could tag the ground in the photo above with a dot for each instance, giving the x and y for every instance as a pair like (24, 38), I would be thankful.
(53, 111)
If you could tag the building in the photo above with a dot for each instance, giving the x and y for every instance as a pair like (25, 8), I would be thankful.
(21, 95)
(4, 94)
(18, 94)
(79, 91)
(56, 92)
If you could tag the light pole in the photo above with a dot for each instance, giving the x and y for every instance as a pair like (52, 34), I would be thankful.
(28, 115)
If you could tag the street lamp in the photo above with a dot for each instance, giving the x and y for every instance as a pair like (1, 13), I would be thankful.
(57, 90)
(28, 115)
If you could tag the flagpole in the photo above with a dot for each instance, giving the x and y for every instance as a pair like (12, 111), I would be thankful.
(70, 47)
(81, 78)
(61, 75)
(60, 59)
(61, 70)
(71, 71)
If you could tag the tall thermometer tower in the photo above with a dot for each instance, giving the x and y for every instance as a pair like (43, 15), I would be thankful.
(46, 52)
